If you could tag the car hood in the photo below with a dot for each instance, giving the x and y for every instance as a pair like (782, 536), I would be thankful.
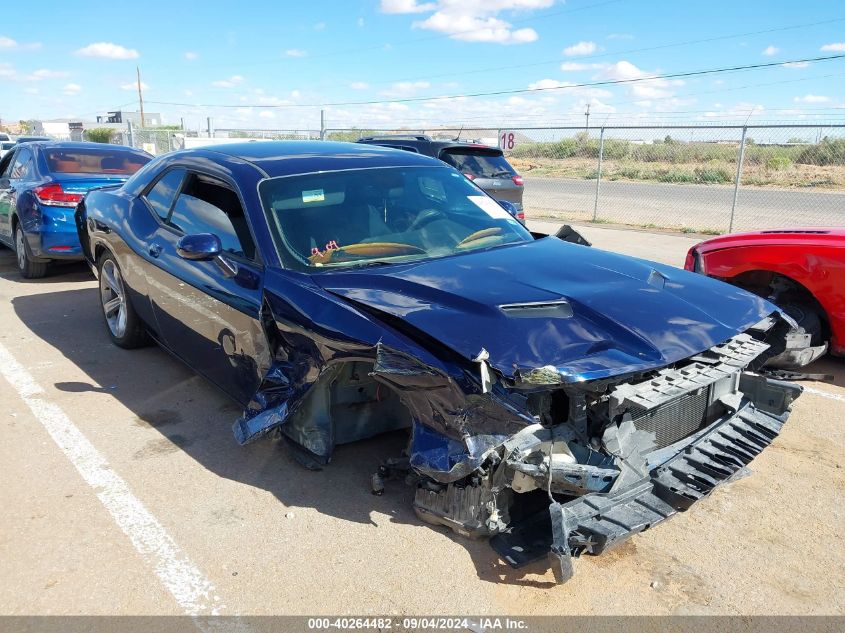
(610, 314)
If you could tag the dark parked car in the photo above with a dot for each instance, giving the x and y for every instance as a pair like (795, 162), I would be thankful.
(486, 166)
(40, 185)
(559, 398)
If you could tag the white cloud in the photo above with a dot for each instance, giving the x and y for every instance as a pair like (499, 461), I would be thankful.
(319, 26)
(44, 73)
(191, 56)
(231, 82)
(359, 85)
(620, 36)
(295, 52)
(795, 64)
(647, 88)
(133, 85)
(360, 23)
(812, 99)
(581, 48)
(406, 6)
(72, 89)
(108, 50)
(267, 114)
(770, 50)
(405, 88)
(470, 20)
(10, 44)
(569, 67)
(836, 47)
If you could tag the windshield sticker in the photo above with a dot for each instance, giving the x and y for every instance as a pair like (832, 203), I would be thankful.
(491, 208)
(314, 195)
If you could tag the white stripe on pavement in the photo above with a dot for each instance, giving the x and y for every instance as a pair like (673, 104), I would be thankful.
(825, 394)
(187, 584)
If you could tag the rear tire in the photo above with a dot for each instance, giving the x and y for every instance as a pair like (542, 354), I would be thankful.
(122, 322)
(28, 268)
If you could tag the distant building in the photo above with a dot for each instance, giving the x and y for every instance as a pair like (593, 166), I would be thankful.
(151, 119)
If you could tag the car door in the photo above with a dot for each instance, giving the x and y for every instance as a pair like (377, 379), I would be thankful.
(7, 190)
(208, 312)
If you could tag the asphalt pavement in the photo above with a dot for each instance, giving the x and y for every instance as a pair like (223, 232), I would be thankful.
(124, 492)
(694, 206)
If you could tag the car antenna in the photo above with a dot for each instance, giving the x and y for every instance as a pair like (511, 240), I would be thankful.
(458, 137)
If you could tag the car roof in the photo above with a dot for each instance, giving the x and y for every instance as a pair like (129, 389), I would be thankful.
(69, 145)
(422, 141)
(284, 158)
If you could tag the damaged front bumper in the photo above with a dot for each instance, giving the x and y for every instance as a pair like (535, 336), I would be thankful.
(595, 522)
(627, 457)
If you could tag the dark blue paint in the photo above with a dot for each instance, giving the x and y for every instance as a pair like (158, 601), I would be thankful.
(628, 315)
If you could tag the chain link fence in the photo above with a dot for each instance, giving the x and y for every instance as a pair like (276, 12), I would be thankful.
(710, 179)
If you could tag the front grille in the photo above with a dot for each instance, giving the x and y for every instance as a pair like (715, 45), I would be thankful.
(675, 419)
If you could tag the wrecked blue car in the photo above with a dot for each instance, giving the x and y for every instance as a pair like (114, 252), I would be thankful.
(559, 398)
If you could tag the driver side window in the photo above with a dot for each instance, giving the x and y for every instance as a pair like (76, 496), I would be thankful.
(207, 205)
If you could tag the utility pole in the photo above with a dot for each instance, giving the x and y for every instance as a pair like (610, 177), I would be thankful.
(140, 95)
(587, 114)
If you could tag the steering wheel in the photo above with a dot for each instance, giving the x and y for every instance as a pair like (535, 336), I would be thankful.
(425, 216)
(367, 249)
(491, 234)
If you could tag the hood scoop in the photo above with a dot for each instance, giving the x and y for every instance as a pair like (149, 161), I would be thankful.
(560, 309)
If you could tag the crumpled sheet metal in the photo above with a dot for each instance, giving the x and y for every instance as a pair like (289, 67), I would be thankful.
(454, 424)
(453, 430)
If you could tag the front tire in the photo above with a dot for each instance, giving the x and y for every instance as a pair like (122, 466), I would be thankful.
(28, 268)
(122, 322)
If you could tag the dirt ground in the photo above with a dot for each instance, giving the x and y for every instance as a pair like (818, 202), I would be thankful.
(260, 535)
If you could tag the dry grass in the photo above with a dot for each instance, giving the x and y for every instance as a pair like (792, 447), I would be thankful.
(795, 176)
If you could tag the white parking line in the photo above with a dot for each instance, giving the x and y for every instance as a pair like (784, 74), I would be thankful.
(187, 584)
(825, 394)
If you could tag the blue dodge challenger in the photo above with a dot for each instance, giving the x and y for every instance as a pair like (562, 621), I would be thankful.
(559, 398)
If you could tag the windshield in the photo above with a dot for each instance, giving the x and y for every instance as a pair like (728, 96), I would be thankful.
(95, 161)
(382, 215)
(479, 163)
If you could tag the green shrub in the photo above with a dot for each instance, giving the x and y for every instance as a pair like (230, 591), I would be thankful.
(828, 152)
(99, 135)
(711, 175)
(778, 162)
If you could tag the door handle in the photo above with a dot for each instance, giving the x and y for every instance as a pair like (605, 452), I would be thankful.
(155, 250)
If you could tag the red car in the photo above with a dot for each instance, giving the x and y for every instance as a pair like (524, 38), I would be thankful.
(800, 270)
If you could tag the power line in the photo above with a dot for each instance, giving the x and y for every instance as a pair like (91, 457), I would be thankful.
(497, 93)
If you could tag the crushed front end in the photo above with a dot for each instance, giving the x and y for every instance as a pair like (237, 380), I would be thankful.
(593, 462)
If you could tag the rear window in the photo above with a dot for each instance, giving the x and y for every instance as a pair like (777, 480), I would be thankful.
(94, 161)
(481, 163)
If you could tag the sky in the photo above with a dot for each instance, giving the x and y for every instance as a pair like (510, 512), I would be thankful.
(378, 63)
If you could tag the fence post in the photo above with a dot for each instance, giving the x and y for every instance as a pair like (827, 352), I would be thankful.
(738, 176)
(322, 125)
(210, 127)
(131, 134)
(598, 174)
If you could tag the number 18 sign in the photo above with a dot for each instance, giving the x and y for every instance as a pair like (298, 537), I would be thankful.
(507, 140)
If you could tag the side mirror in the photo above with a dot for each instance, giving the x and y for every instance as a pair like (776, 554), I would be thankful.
(510, 207)
(199, 247)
